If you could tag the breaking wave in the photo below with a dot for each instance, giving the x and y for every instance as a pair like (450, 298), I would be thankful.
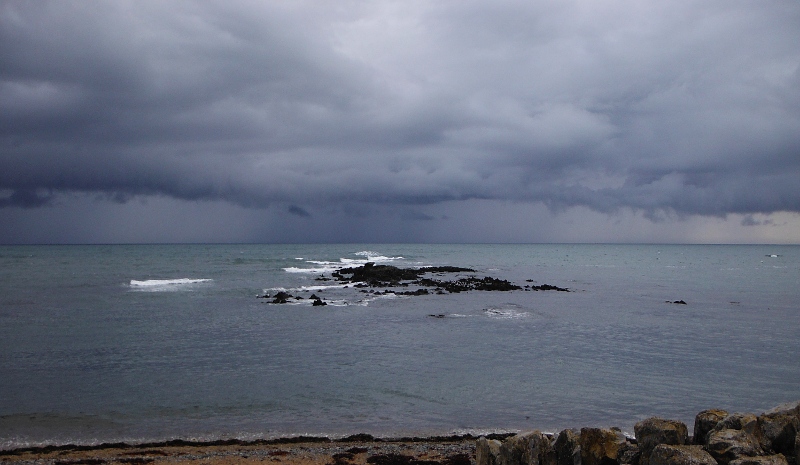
(155, 285)
(323, 266)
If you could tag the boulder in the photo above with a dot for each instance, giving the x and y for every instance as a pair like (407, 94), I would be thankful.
(741, 421)
(600, 446)
(778, 430)
(654, 431)
(568, 447)
(540, 450)
(514, 450)
(487, 451)
(777, 459)
(704, 422)
(730, 444)
(664, 454)
(629, 454)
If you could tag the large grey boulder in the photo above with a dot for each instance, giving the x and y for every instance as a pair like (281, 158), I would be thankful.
(512, 450)
(601, 446)
(704, 422)
(664, 454)
(568, 447)
(729, 444)
(487, 451)
(777, 459)
(778, 429)
(531, 448)
(654, 431)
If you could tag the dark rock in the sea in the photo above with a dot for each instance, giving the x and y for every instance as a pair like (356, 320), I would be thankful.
(778, 459)
(600, 446)
(281, 298)
(438, 315)
(779, 429)
(679, 302)
(704, 422)
(391, 276)
(418, 292)
(445, 269)
(378, 275)
(664, 454)
(470, 283)
(319, 302)
(568, 447)
(729, 444)
(654, 431)
(487, 451)
(549, 287)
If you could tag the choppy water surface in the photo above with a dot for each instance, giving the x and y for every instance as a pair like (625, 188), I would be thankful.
(139, 343)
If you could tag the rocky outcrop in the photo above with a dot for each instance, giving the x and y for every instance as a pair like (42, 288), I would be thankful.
(373, 275)
(654, 431)
(664, 454)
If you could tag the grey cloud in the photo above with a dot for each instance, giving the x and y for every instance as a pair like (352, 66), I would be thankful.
(680, 108)
(298, 211)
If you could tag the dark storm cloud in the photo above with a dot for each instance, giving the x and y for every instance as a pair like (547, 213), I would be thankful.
(686, 107)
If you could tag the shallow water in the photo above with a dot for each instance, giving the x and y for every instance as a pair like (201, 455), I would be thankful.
(152, 342)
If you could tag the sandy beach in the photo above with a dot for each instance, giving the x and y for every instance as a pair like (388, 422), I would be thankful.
(293, 451)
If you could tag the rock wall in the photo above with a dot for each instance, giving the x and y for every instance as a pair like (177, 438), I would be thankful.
(720, 438)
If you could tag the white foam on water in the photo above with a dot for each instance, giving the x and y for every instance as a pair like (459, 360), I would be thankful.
(324, 266)
(155, 285)
(323, 287)
(505, 313)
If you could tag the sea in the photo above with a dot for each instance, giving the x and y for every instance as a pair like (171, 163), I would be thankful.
(149, 343)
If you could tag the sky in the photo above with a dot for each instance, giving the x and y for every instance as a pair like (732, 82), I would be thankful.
(400, 121)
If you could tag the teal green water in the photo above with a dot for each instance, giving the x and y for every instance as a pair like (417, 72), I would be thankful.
(152, 342)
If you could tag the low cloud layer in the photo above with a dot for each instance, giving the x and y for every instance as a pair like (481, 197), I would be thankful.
(686, 108)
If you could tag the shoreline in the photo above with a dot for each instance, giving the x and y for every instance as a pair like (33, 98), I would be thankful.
(358, 449)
